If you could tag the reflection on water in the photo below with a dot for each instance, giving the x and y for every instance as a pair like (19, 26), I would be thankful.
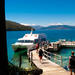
(24, 60)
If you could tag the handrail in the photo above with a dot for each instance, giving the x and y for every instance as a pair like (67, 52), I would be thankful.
(47, 56)
(51, 53)
(55, 59)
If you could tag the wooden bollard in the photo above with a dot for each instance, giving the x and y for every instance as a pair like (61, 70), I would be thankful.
(31, 58)
(47, 56)
(55, 58)
(20, 61)
(61, 60)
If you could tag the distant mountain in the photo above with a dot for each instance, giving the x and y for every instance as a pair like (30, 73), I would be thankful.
(37, 27)
(55, 27)
(13, 26)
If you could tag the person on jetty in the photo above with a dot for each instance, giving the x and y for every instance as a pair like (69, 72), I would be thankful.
(37, 47)
(72, 63)
(40, 55)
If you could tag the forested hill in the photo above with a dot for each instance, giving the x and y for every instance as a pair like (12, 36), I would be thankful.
(13, 26)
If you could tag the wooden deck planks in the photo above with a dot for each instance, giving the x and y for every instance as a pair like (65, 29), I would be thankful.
(48, 67)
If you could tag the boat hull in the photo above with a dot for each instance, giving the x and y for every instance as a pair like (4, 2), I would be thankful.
(22, 47)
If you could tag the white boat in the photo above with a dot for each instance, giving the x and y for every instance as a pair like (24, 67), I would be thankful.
(28, 41)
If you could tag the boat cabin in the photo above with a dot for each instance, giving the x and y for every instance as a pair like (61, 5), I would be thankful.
(32, 38)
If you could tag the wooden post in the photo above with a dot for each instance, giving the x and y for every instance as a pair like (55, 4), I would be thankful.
(55, 59)
(20, 61)
(31, 58)
(47, 56)
(61, 60)
(29, 55)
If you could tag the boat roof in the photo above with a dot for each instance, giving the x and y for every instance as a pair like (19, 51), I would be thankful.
(32, 36)
(29, 37)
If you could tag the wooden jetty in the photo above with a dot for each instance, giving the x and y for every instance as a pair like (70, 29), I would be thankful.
(68, 44)
(58, 45)
(48, 67)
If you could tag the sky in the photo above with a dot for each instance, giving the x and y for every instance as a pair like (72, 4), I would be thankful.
(41, 12)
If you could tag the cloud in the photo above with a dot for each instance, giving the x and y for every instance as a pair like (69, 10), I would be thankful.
(51, 24)
(25, 24)
(56, 24)
(34, 24)
(45, 25)
(59, 24)
(28, 24)
(42, 25)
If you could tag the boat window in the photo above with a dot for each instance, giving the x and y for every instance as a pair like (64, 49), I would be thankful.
(43, 39)
(25, 41)
(22, 41)
(39, 40)
(36, 41)
(28, 41)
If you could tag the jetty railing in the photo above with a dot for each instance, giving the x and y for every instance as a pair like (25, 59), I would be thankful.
(61, 60)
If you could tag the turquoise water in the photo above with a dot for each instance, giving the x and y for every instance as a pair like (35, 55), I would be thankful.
(13, 57)
(52, 35)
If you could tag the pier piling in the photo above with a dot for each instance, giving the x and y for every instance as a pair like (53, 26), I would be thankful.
(61, 60)
(20, 61)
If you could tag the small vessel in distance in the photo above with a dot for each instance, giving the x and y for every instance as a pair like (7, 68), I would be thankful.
(28, 41)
